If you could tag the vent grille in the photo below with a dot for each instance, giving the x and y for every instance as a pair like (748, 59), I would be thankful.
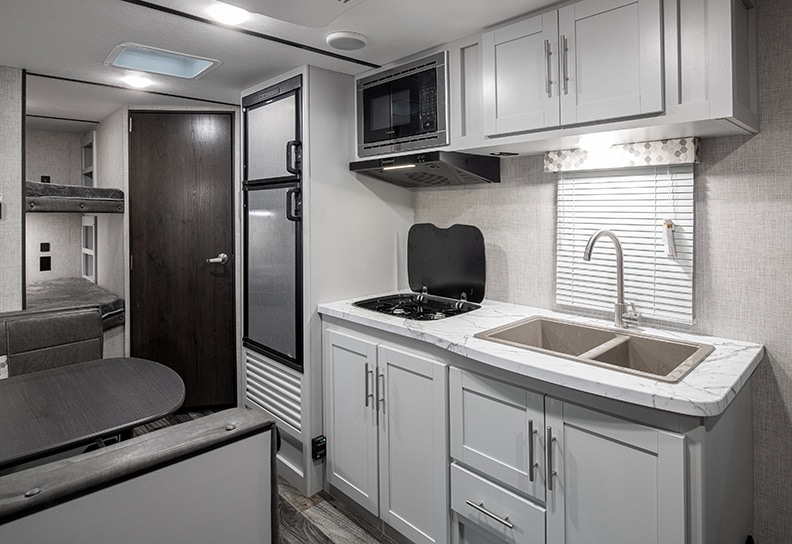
(427, 178)
(274, 389)
(466, 177)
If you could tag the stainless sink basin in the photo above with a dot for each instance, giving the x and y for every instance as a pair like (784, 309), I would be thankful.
(641, 354)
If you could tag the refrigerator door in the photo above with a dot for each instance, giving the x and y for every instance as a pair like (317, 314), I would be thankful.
(272, 274)
(272, 136)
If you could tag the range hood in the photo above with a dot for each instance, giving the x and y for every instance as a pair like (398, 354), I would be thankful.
(432, 169)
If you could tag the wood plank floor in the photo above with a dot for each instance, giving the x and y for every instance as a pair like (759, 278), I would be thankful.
(320, 519)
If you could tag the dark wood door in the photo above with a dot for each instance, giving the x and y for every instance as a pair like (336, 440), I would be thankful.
(181, 195)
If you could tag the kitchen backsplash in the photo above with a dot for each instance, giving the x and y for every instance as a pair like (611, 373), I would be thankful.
(517, 218)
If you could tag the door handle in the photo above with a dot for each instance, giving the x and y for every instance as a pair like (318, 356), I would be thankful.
(565, 63)
(220, 259)
(548, 69)
(531, 461)
(549, 445)
(293, 205)
(293, 157)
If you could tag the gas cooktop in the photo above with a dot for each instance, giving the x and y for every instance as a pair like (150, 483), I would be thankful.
(418, 306)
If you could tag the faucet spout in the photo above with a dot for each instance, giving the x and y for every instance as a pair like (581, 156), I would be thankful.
(621, 315)
(619, 259)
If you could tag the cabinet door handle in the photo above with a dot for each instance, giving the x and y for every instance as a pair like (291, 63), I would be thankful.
(480, 507)
(548, 67)
(549, 445)
(368, 388)
(530, 450)
(381, 394)
(565, 63)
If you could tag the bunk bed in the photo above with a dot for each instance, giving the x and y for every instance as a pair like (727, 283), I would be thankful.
(74, 292)
(51, 197)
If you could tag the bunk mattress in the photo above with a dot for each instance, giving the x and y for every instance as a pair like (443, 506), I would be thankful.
(76, 293)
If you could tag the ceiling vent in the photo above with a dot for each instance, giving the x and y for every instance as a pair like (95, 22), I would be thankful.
(143, 58)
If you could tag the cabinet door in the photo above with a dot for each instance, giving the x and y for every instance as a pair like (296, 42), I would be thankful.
(520, 71)
(351, 417)
(412, 404)
(611, 59)
(497, 429)
(612, 481)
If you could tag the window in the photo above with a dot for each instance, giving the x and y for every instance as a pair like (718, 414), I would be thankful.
(633, 203)
(89, 247)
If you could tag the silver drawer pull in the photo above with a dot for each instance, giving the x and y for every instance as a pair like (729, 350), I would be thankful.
(480, 507)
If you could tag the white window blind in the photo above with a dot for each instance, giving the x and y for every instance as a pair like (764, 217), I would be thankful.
(633, 204)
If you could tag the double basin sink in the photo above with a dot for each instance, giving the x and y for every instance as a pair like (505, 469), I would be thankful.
(626, 351)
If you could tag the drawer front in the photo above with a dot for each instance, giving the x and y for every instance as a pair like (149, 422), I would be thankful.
(497, 429)
(495, 509)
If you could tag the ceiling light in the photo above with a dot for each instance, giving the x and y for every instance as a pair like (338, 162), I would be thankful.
(137, 81)
(346, 41)
(227, 14)
(142, 58)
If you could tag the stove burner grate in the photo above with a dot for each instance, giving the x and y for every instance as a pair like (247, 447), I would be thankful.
(418, 307)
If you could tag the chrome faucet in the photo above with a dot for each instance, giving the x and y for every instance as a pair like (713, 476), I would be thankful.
(621, 314)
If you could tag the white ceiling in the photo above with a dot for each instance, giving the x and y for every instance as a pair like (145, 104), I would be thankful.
(71, 39)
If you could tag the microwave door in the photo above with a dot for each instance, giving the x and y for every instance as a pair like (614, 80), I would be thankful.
(378, 125)
(405, 104)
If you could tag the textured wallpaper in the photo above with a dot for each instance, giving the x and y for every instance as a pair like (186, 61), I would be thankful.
(63, 233)
(743, 264)
(11, 188)
(52, 153)
(744, 258)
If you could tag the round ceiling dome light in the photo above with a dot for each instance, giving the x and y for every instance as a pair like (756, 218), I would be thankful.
(347, 41)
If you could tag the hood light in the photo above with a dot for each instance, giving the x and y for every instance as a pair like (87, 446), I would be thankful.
(398, 167)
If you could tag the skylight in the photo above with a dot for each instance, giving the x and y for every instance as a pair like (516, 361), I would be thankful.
(159, 61)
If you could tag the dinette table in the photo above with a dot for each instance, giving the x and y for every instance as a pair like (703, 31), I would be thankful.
(47, 412)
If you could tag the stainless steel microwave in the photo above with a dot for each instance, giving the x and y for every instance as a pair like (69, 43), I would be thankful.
(403, 108)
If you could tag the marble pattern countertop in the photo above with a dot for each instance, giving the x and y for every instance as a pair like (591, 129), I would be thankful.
(706, 391)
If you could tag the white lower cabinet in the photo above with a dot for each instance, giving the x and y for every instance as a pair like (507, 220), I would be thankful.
(597, 479)
(612, 481)
(386, 424)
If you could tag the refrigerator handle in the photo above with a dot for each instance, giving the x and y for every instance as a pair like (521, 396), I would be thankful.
(293, 157)
(293, 205)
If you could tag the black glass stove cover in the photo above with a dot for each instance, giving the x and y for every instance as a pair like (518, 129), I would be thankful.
(420, 307)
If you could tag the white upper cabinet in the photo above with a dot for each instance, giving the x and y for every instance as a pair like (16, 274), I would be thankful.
(590, 61)
(520, 76)
(636, 69)
(611, 55)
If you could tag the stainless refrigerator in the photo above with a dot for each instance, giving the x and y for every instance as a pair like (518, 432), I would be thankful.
(273, 228)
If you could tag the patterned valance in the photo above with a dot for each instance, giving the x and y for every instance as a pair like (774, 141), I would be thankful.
(656, 153)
